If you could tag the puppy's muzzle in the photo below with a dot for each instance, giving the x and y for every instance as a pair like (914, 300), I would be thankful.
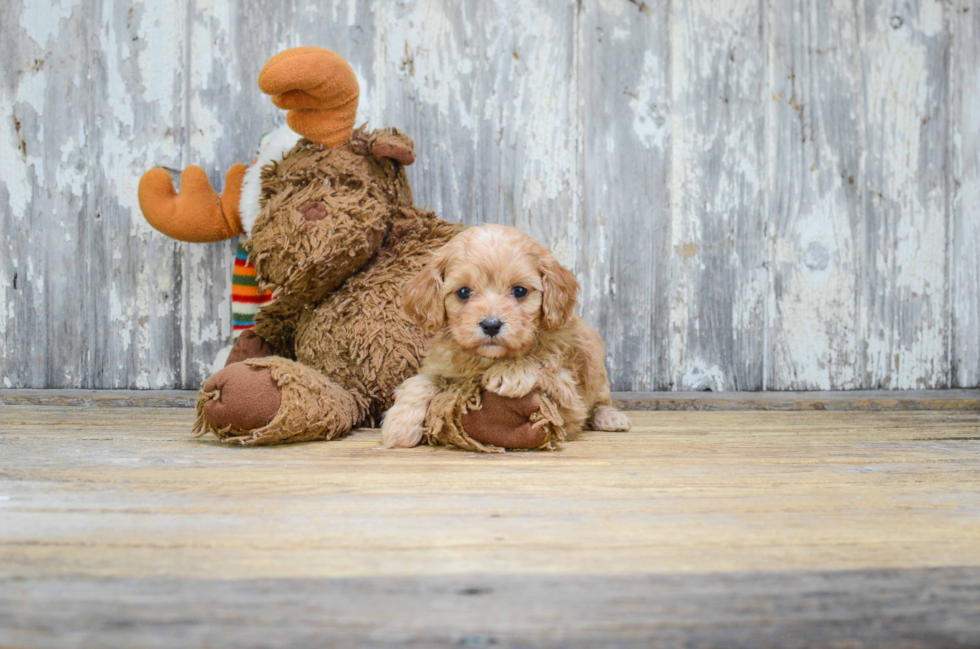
(491, 326)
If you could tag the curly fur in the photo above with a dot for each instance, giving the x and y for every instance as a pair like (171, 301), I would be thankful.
(342, 340)
(541, 346)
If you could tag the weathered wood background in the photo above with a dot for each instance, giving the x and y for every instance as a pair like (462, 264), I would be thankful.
(755, 195)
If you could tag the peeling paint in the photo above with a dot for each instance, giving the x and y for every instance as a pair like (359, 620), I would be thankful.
(13, 164)
(651, 123)
(699, 375)
(905, 167)
(754, 195)
(42, 20)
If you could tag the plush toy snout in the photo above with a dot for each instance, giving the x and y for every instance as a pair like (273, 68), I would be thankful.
(309, 236)
(314, 211)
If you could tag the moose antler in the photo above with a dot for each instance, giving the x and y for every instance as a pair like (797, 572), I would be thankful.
(318, 88)
(320, 91)
(198, 214)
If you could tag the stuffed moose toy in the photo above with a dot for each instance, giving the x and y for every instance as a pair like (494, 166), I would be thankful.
(333, 233)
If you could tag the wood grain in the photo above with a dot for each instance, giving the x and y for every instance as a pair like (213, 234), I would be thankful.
(85, 286)
(816, 177)
(625, 266)
(124, 492)
(488, 92)
(856, 400)
(717, 195)
(867, 608)
(905, 135)
(964, 233)
(852, 400)
(774, 196)
(750, 527)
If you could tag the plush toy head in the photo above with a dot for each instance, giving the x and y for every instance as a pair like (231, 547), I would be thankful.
(320, 91)
(326, 211)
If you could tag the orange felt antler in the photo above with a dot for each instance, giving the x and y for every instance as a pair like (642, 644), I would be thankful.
(318, 88)
(198, 214)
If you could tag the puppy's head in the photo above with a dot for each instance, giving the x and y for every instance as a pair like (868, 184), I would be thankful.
(494, 288)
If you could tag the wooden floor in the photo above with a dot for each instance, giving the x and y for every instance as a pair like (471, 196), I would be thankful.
(697, 529)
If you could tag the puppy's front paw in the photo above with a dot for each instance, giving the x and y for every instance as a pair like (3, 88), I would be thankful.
(400, 431)
(514, 384)
(402, 424)
(610, 419)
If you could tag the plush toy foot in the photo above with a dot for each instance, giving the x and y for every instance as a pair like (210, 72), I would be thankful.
(310, 406)
(505, 422)
(467, 417)
(249, 345)
(241, 397)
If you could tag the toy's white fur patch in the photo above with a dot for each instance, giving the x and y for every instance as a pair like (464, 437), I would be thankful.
(273, 147)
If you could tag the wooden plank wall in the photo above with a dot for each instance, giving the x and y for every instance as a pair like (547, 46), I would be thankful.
(756, 195)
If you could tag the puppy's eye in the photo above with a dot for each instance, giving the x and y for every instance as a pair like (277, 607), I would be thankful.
(464, 293)
(519, 292)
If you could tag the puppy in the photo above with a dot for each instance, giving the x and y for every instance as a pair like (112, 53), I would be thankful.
(500, 307)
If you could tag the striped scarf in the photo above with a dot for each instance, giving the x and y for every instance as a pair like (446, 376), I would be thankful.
(246, 296)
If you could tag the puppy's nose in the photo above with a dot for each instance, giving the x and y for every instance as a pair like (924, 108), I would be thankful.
(491, 326)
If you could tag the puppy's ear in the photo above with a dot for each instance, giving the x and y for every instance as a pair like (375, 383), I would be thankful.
(423, 295)
(559, 289)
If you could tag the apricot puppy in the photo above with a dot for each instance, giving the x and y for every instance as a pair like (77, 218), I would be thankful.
(500, 308)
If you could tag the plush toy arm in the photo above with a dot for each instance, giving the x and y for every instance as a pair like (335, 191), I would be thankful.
(276, 324)
(197, 214)
(505, 422)
(466, 416)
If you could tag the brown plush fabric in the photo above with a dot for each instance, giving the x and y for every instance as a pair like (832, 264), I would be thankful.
(197, 214)
(240, 397)
(248, 345)
(360, 335)
(338, 311)
(392, 143)
(312, 407)
(403, 156)
(318, 88)
(504, 422)
(277, 326)
(445, 421)
(301, 259)
(337, 282)
(336, 237)
(314, 211)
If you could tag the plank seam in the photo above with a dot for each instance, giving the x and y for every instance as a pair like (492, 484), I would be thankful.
(856, 400)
